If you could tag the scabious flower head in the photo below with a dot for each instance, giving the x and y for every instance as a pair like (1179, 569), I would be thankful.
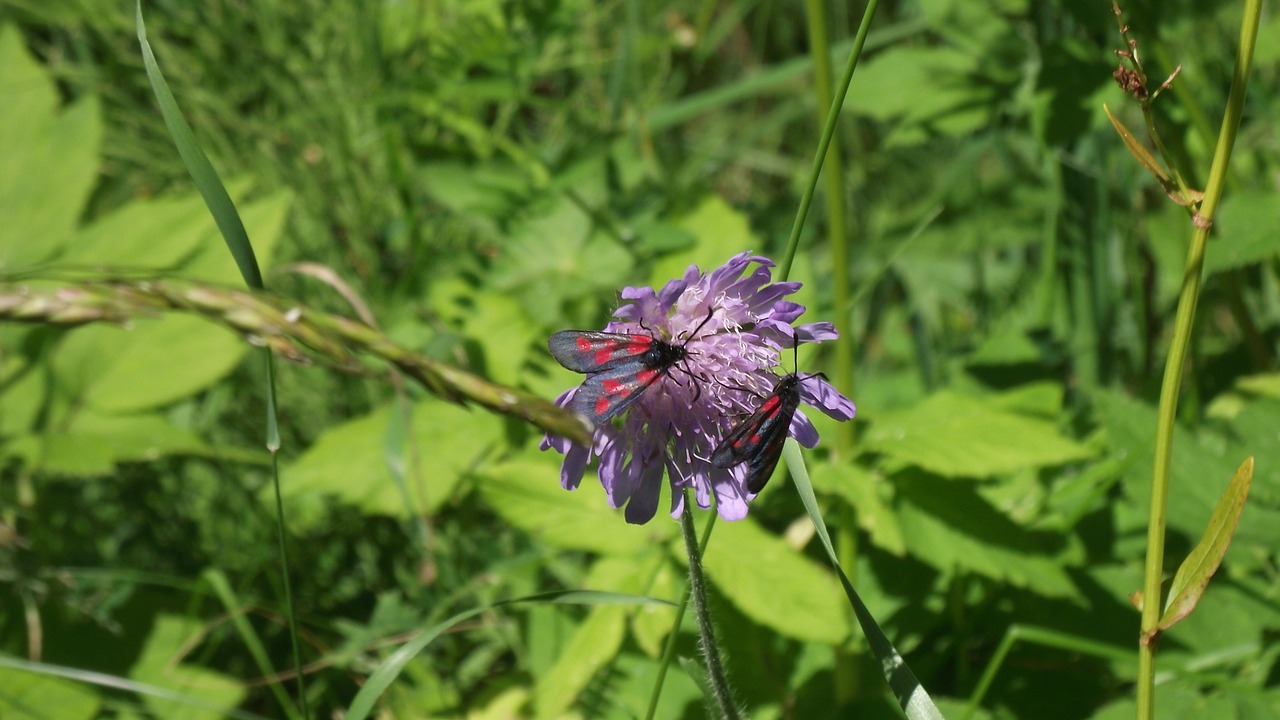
(743, 323)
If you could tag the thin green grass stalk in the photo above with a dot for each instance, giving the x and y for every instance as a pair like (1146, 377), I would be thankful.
(828, 131)
(227, 218)
(721, 692)
(837, 223)
(217, 581)
(1183, 325)
(846, 677)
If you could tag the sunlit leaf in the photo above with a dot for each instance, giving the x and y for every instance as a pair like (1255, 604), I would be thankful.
(959, 436)
(774, 585)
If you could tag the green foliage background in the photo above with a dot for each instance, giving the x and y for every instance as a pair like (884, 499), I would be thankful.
(484, 173)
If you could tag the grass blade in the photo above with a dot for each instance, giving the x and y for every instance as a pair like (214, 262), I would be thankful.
(911, 695)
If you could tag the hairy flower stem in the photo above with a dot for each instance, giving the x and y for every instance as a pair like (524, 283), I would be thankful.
(698, 592)
(1183, 325)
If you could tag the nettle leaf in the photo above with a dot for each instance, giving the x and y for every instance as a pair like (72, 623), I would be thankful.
(349, 462)
(1245, 231)
(948, 525)
(774, 584)
(958, 436)
(48, 160)
(1193, 575)
(160, 664)
(527, 494)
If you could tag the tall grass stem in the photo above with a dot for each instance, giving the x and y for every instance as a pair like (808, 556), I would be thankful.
(1183, 325)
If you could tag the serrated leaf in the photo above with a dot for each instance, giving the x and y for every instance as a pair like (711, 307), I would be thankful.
(31, 696)
(48, 161)
(528, 495)
(348, 461)
(160, 664)
(1192, 578)
(774, 585)
(958, 436)
(593, 646)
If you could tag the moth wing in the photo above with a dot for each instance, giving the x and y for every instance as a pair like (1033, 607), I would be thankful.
(589, 352)
(605, 394)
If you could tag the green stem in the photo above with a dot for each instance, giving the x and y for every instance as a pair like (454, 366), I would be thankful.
(1183, 323)
(828, 130)
(837, 227)
(669, 653)
(720, 691)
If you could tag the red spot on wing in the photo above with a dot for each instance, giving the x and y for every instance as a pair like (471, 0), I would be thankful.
(647, 375)
(755, 438)
(583, 343)
(602, 405)
(616, 387)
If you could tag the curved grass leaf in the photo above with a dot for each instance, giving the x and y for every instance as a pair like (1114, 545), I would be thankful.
(1193, 575)
(202, 173)
(911, 695)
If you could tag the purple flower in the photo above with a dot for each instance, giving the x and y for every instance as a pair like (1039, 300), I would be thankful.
(743, 324)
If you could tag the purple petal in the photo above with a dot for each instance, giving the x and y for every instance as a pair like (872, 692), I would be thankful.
(816, 332)
(573, 467)
(819, 393)
(644, 502)
(803, 430)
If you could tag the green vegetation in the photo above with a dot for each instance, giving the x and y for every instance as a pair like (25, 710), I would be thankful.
(469, 177)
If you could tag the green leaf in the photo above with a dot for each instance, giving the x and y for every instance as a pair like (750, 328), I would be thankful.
(160, 664)
(1266, 384)
(527, 494)
(774, 584)
(720, 231)
(156, 233)
(348, 461)
(1130, 432)
(505, 334)
(30, 696)
(592, 647)
(862, 490)
(48, 160)
(948, 525)
(1193, 575)
(94, 444)
(1244, 231)
(155, 362)
(958, 436)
